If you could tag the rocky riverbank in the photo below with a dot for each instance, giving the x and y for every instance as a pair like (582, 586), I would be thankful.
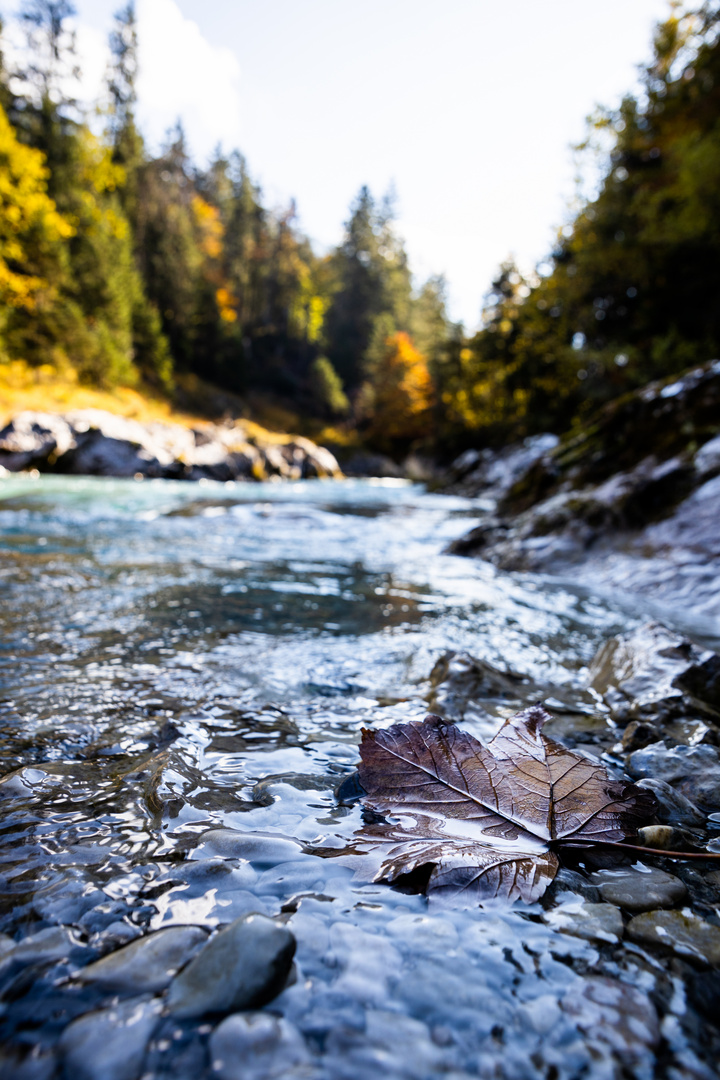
(94, 442)
(630, 502)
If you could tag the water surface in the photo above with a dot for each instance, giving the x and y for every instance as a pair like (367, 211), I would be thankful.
(178, 658)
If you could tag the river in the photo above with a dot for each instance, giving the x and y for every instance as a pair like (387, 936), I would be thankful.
(178, 658)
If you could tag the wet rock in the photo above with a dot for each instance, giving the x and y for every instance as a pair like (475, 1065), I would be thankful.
(26, 1063)
(466, 689)
(638, 734)
(262, 849)
(53, 943)
(109, 1044)
(68, 897)
(117, 934)
(701, 679)
(673, 808)
(639, 890)
(703, 994)
(244, 966)
(391, 1044)
(256, 1046)
(663, 837)
(567, 880)
(593, 922)
(680, 933)
(693, 771)
(646, 675)
(492, 473)
(148, 964)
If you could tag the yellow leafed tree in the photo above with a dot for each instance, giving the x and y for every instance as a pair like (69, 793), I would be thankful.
(398, 396)
(31, 229)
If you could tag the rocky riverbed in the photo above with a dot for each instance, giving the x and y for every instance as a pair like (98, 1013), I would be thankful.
(618, 968)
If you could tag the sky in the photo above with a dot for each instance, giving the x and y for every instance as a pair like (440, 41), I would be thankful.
(466, 108)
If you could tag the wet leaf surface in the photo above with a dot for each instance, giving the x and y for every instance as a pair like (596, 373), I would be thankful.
(488, 819)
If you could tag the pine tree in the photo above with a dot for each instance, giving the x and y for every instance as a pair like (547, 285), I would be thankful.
(151, 352)
(373, 283)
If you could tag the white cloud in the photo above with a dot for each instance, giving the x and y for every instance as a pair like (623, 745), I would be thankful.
(91, 55)
(183, 76)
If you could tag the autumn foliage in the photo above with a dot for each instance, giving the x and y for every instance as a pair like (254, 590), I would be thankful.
(130, 266)
(398, 396)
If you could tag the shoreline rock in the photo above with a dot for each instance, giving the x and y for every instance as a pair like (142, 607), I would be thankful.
(632, 501)
(92, 442)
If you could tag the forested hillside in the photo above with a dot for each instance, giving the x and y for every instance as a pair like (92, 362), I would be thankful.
(134, 268)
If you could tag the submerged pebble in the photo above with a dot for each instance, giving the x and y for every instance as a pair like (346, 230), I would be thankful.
(611, 1013)
(244, 966)
(52, 943)
(109, 1044)
(148, 964)
(639, 889)
(256, 1046)
(594, 922)
(694, 771)
(261, 849)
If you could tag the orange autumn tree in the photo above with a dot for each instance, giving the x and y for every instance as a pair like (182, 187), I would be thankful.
(397, 397)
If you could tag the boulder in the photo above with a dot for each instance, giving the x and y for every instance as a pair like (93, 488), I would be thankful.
(34, 440)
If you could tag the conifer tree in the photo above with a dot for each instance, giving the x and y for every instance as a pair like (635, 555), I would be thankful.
(373, 283)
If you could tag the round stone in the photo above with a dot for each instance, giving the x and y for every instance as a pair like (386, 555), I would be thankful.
(686, 935)
(109, 1044)
(147, 964)
(639, 889)
(243, 967)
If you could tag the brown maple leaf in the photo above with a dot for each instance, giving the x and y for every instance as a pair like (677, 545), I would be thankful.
(488, 819)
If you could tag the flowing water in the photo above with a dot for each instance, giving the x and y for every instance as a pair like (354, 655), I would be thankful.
(181, 658)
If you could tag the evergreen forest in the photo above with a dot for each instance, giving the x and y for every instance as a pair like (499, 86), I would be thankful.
(135, 268)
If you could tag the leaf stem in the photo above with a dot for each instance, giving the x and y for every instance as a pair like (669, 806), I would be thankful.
(647, 850)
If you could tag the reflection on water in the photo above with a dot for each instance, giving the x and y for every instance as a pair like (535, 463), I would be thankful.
(178, 660)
